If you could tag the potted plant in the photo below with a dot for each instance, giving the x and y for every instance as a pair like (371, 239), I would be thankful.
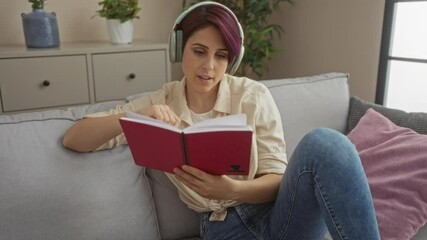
(40, 27)
(119, 15)
(37, 4)
(259, 33)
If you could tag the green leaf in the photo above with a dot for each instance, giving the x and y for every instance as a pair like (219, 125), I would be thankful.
(37, 4)
(123, 10)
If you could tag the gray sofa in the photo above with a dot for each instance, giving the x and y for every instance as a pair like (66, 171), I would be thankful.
(49, 192)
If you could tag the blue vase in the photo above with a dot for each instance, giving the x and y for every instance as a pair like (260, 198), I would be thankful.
(40, 29)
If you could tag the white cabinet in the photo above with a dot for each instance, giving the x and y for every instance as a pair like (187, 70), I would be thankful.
(121, 74)
(78, 73)
(30, 83)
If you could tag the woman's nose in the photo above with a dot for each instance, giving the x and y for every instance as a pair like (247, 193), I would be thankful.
(209, 62)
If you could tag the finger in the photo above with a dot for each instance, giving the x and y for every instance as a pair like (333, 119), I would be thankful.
(186, 178)
(176, 121)
(185, 175)
(171, 116)
(199, 174)
(164, 110)
(156, 113)
(162, 113)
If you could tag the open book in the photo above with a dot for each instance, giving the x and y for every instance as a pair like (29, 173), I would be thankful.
(219, 146)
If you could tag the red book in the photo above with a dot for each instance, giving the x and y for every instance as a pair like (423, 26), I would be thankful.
(219, 146)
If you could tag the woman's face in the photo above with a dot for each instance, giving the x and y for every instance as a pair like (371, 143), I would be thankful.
(204, 60)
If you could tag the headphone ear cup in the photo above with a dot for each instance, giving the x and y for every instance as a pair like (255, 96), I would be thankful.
(179, 45)
(236, 63)
(172, 46)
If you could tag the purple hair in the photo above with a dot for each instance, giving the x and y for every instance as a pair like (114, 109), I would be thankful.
(219, 17)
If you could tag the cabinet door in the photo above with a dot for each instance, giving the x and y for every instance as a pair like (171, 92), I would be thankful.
(118, 75)
(30, 83)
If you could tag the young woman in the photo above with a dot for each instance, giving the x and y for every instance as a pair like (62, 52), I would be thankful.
(324, 186)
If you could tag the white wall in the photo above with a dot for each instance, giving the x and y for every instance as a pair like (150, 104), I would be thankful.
(320, 35)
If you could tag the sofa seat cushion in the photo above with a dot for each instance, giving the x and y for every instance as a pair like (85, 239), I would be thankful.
(395, 162)
(49, 192)
(176, 220)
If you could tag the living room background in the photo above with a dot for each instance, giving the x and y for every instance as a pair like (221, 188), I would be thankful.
(319, 36)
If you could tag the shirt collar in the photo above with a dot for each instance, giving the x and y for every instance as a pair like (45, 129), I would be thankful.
(223, 100)
(222, 105)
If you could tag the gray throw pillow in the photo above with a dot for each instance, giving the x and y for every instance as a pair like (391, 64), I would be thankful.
(416, 121)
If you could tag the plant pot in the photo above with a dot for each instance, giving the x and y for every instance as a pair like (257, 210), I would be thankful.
(40, 29)
(120, 33)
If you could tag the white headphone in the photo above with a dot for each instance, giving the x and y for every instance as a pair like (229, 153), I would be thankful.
(176, 38)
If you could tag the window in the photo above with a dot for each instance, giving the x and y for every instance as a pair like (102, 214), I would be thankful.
(402, 75)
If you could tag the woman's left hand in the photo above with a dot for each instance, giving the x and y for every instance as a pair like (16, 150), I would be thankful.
(206, 185)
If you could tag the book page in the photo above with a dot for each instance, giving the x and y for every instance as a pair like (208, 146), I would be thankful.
(228, 123)
(136, 117)
(217, 128)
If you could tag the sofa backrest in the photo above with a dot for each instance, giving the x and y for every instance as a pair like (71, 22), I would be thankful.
(310, 102)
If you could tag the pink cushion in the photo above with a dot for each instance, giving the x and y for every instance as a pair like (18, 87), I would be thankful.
(395, 162)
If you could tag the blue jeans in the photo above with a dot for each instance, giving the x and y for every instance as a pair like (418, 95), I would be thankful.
(324, 188)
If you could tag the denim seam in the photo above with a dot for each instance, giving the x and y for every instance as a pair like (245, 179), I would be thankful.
(283, 234)
(251, 229)
(329, 209)
(203, 218)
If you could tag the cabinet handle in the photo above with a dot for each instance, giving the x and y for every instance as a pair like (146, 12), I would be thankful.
(46, 83)
(132, 76)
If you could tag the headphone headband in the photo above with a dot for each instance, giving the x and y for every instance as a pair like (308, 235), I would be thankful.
(176, 38)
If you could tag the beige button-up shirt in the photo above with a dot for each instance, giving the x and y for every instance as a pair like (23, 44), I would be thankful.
(235, 95)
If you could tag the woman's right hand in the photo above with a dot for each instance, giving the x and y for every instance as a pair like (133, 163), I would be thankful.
(89, 134)
(162, 113)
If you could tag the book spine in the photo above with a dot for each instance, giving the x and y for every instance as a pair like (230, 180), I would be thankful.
(185, 149)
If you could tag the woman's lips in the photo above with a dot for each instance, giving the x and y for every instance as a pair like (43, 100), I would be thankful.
(204, 78)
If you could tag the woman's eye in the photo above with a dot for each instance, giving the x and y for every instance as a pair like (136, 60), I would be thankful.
(198, 51)
(222, 56)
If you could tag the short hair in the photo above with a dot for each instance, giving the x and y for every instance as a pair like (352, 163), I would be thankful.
(217, 16)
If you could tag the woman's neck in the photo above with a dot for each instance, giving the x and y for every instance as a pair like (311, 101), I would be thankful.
(201, 102)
